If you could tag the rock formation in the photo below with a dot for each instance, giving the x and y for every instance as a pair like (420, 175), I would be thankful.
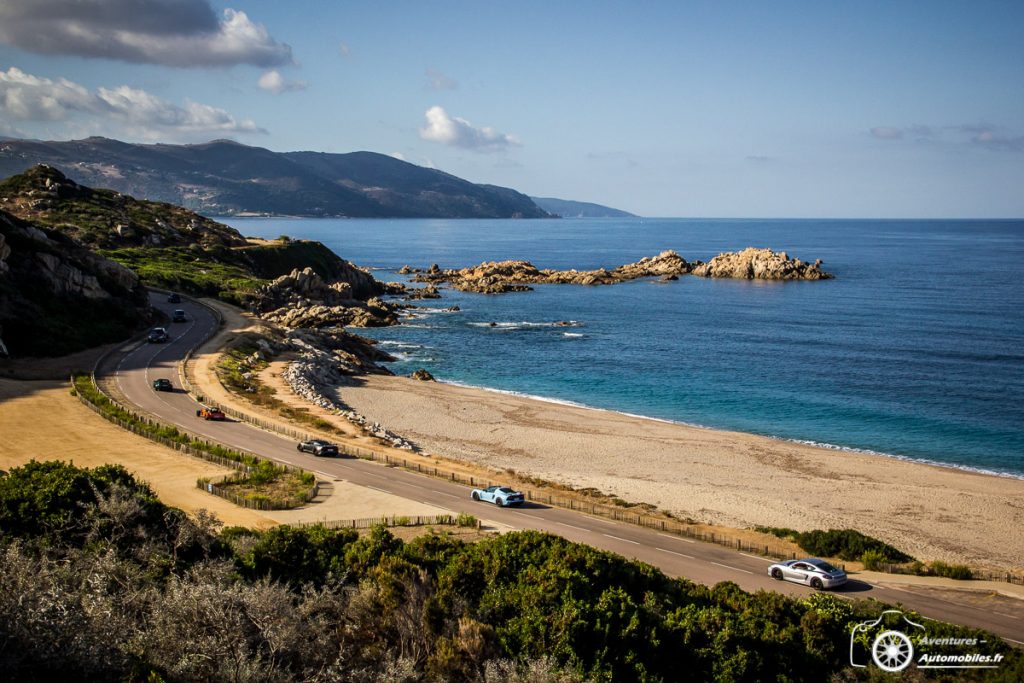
(760, 264)
(494, 277)
(57, 296)
(422, 375)
(304, 299)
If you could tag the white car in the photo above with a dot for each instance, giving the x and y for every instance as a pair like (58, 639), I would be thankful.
(501, 496)
(808, 571)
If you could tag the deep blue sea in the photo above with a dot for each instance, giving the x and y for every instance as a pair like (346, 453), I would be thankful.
(916, 349)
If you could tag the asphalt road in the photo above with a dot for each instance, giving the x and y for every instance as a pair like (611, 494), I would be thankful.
(701, 562)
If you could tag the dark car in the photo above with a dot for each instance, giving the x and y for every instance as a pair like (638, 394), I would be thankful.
(318, 447)
(174, 298)
(162, 385)
(158, 335)
(178, 316)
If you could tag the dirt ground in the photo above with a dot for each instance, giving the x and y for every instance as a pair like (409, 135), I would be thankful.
(41, 420)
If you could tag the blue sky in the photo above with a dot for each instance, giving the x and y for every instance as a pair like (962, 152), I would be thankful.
(888, 109)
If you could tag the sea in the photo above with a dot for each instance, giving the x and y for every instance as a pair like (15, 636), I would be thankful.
(915, 350)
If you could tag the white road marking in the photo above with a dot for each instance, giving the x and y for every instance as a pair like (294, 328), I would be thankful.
(758, 557)
(1012, 616)
(621, 539)
(442, 493)
(745, 571)
(677, 538)
(1019, 642)
(673, 552)
(572, 526)
(375, 488)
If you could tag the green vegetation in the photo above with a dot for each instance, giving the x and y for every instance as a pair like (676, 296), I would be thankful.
(466, 520)
(99, 578)
(950, 571)
(189, 269)
(846, 544)
(278, 486)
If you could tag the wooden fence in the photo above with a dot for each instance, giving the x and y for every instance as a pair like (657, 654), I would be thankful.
(417, 520)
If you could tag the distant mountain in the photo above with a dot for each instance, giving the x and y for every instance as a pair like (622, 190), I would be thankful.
(226, 178)
(570, 209)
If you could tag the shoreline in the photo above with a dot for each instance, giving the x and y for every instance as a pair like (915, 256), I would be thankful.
(696, 425)
(720, 477)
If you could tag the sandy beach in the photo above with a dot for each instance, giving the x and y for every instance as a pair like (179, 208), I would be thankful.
(712, 476)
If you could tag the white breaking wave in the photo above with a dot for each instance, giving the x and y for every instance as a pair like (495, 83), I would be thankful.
(573, 335)
(526, 324)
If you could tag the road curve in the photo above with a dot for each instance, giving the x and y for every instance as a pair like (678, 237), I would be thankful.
(701, 562)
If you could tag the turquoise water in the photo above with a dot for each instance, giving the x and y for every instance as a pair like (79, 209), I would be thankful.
(916, 349)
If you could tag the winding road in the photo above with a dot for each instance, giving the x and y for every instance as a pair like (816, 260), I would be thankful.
(132, 372)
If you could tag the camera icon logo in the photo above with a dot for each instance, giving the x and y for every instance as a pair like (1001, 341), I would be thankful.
(888, 643)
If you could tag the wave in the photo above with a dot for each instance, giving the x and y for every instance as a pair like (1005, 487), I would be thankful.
(526, 324)
(806, 442)
(399, 344)
(573, 335)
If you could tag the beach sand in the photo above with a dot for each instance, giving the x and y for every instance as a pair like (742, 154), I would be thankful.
(712, 476)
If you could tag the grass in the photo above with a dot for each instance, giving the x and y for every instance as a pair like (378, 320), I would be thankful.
(276, 483)
(189, 269)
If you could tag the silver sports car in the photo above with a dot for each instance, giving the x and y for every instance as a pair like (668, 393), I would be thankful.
(809, 571)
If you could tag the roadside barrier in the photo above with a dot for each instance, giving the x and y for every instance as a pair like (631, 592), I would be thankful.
(396, 521)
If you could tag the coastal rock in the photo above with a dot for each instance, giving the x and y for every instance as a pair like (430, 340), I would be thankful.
(760, 264)
(495, 277)
(303, 299)
(422, 375)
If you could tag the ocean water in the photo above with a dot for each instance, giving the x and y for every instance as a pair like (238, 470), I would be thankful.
(915, 350)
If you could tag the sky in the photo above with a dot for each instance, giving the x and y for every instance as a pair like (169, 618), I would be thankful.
(894, 109)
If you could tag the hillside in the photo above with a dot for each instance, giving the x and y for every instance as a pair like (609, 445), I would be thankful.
(58, 297)
(226, 178)
(166, 245)
(567, 208)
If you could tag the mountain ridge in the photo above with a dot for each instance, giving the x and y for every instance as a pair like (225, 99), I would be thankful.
(223, 177)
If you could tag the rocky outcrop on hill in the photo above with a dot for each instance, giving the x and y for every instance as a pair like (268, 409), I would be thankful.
(304, 299)
(57, 297)
(494, 277)
(108, 219)
(760, 264)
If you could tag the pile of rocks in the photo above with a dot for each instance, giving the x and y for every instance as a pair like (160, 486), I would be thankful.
(304, 299)
(495, 277)
(309, 377)
(760, 264)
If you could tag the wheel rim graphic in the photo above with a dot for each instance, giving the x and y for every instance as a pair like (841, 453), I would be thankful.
(892, 651)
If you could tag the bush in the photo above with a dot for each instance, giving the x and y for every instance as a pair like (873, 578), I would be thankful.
(465, 519)
(873, 560)
(950, 571)
(847, 544)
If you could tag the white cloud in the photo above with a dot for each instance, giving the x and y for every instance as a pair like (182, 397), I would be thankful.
(276, 83)
(979, 135)
(398, 155)
(344, 50)
(438, 81)
(458, 132)
(181, 33)
(31, 98)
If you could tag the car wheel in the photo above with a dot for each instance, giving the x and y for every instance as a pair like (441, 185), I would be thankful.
(499, 502)
(816, 583)
(299, 448)
(777, 574)
(475, 496)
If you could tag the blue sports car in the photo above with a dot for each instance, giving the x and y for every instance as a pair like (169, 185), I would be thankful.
(499, 495)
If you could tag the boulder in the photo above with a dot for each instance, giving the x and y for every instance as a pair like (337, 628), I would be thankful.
(423, 376)
(760, 264)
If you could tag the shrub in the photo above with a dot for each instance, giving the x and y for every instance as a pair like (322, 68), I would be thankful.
(847, 544)
(873, 560)
(465, 519)
(950, 571)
